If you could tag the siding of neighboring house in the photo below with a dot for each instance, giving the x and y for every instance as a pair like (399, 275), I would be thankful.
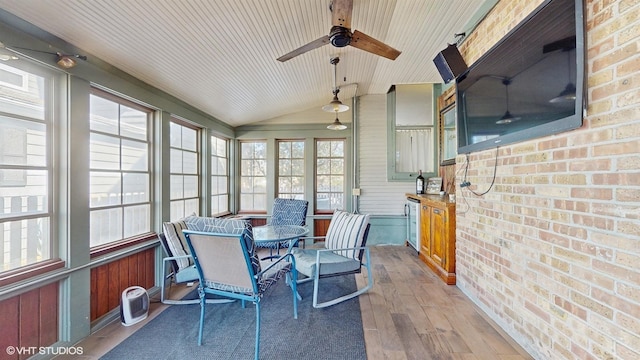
(552, 252)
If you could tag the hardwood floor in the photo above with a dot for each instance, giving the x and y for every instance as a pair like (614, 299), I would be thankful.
(412, 314)
(409, 314)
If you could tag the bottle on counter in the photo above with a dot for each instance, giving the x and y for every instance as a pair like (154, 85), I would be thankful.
(420, 183)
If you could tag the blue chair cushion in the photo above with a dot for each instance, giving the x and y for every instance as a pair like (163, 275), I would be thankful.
(331, 263)
(227, 226)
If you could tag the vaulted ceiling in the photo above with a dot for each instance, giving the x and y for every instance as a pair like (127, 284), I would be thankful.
(220, 56)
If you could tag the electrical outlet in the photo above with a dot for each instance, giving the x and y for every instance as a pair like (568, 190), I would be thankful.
(356, 192)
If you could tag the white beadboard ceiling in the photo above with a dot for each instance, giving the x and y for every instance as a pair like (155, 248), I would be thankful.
(220, 55)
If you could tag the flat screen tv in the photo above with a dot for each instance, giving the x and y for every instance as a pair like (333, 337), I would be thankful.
(529, 85)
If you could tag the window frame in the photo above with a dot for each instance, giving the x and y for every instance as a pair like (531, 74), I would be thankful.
(344, 176)
(400, 176)
(103, 247)
(198, 169)
(278, 175)
(214, 195)
(54, 100)
(241, 158)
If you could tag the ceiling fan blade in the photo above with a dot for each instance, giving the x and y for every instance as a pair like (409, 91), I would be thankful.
(367, 43)
(304, 48)
(341, 11)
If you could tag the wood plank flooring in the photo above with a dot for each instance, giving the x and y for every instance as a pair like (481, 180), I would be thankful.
(409, 314)
(412, 314)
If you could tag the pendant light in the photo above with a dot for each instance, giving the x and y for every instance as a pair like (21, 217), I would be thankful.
(335, 105)
(569, 92)
(507, 118)
(337, 125)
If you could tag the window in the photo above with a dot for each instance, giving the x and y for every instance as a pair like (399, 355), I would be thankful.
(412, 132)
(219, 176)
(253, 176)
(27, 109)
(291, 169)
(184, 194)
(120, 175)
(330, 175)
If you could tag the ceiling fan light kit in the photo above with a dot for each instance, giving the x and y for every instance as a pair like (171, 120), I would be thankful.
(341, 35)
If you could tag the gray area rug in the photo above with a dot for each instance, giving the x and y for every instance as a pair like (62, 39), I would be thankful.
(229, 331)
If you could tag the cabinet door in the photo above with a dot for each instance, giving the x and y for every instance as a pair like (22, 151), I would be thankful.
(438, 236)
(425, 230)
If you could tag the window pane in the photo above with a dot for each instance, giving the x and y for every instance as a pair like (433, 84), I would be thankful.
(105, 188)
(106, 226)
(297, 167)
(176, 161)
(190, 186)
(414, 150)
(177, 210)
(22, 142)
(189, 162)
(24, 242)
(134, 155)
(135, 188)
(284, 167)
(191, 206)
(104, 153)
(137, 220)
(133, 123)
(284, 185)
(175, 135)
(176, 187)
(222, 185)
(324, 149)
(324, 166)
(104, 115)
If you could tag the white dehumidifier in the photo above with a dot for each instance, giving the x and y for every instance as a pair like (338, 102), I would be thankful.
(134, 305)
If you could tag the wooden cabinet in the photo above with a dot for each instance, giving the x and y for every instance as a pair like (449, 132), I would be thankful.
(438, 236)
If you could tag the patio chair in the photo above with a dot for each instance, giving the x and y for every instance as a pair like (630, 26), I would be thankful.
(344, 253)
(228, 266)
(178, 258)
(286, 212)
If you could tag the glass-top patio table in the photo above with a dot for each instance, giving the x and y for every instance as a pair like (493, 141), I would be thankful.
(276, 233)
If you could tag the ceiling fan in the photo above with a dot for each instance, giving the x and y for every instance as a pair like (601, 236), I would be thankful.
(341, 35)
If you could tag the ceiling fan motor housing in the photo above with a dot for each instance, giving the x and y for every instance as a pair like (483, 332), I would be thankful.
(339, 36)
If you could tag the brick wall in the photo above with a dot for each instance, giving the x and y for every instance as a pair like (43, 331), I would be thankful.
(552, 252)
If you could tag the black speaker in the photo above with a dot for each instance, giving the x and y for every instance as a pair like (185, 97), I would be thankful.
(450, 63)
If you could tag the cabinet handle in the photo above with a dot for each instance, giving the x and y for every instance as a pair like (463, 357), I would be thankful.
(436, 211)
(424, 207)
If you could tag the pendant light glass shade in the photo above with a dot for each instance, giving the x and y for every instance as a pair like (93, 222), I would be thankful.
(335, 105)
(337, 125)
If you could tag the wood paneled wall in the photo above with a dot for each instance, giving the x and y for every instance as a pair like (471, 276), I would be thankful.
(320, 227)
(109, 280)
(29, 320)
